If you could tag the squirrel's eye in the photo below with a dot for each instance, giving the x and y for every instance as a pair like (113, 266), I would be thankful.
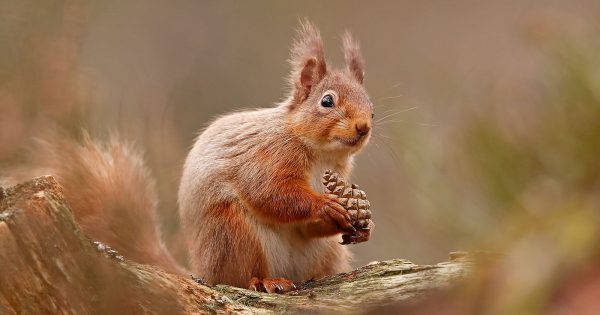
(327, 101)
(372, 116)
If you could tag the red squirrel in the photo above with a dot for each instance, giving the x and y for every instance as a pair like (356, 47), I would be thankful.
(250, 199)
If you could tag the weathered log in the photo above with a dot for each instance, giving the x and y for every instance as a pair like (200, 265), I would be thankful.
(48, 266)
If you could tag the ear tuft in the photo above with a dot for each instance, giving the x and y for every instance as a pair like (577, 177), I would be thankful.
(307, 60)
(354, 60)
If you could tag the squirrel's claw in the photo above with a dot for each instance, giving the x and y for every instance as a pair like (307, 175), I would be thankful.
(271, 285)
(360, 236)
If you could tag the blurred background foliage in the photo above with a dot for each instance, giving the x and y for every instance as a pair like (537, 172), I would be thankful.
(487, 114)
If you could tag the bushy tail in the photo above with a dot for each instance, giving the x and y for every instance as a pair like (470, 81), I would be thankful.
(110, 192)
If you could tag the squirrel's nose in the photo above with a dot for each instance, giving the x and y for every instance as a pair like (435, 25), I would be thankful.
(363, 127)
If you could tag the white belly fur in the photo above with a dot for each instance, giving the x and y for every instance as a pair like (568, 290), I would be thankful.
(290, 254)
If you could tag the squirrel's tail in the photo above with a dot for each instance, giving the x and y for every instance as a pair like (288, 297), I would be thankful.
(110, 192)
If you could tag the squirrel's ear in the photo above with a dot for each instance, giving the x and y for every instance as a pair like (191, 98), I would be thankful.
(354, 60)
(307, 61)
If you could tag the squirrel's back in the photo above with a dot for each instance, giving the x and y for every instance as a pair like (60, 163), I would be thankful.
(224, 149)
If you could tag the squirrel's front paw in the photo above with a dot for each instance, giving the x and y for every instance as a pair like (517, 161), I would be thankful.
(355, 202)
(331, 212)
(360, 236)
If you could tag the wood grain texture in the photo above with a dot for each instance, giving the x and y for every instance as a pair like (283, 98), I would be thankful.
(49, 266)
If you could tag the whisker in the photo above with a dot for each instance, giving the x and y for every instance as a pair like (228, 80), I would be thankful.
(382, 136)
(388, 150)
(381, 123)
(389, 111)
(389, 97)
(428, 125)
(396, 113)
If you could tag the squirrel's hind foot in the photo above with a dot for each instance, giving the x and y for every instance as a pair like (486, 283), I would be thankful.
(271, 285)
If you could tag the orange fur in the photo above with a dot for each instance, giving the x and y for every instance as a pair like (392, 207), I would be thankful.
(307, 61)
(110, 192)
(355, 63)
(248, 202)
(250, 177)
(227, 250)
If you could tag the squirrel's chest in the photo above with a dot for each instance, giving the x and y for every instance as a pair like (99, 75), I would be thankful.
(316, 174)
(319, 168)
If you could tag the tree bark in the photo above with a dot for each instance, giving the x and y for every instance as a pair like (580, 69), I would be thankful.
(48, 266)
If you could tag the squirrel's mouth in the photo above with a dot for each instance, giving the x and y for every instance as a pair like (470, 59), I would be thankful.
(350, 141)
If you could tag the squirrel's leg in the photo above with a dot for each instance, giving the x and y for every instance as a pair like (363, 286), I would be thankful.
(226, 249)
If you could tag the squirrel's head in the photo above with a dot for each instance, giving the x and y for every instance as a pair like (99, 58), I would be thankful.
(328, 109)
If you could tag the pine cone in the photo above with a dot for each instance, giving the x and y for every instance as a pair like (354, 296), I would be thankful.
(350, 197)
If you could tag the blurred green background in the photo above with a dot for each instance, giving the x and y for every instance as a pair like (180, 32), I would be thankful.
(488, 113)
